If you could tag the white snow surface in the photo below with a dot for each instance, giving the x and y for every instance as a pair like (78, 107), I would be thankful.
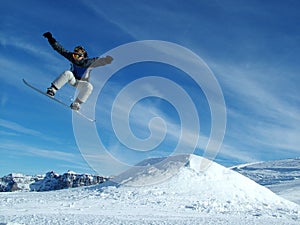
(217, 195)
(280, 176)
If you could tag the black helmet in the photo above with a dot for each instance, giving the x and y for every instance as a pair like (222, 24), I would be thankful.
(79, 48)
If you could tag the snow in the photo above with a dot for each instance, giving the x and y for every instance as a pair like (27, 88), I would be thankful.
(281, 176)
(174, 191)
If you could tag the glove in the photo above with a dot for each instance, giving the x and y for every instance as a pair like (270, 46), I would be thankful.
(108, 59)
(47, 35)
(50, 38)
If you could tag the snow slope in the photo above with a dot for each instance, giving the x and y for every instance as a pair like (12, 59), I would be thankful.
(217, 195)
(281, 176)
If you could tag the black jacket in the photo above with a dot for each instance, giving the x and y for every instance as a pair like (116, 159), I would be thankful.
(82, 68)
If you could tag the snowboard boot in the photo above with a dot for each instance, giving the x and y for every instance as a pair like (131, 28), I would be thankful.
(51, 90)
(76, 105)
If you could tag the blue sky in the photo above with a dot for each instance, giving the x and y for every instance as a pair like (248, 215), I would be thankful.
(252, 48)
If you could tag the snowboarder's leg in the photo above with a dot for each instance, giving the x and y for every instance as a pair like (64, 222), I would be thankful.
(66, 76)
(85, 89)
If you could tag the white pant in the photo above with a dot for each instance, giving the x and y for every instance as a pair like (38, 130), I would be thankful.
(84, 87)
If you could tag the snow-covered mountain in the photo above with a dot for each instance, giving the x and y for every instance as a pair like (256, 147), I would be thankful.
(48, 182)
(281, 176)
(16, 181)
(217, 195)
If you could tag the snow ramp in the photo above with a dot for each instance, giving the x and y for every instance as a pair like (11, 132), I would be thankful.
(180, 182)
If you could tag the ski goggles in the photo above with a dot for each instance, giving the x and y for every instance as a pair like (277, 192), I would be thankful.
(77, 55)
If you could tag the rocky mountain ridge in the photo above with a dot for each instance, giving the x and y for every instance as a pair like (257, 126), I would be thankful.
(48, 182)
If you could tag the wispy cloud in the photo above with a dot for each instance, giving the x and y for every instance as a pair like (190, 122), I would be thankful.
(17, 128)
(3, 99)
(13, 66)
(54, 154)
(10, 128)
(256, 112)
(141, 115)
(237, 153)
(102, 13)
(13, 40)
(156, 17)
(18, 148)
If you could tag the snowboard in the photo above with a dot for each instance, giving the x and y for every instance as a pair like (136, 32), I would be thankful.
(58, 101)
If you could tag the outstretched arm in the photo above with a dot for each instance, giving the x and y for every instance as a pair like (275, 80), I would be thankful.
(102, 61)
(93, 62)
(58, 47)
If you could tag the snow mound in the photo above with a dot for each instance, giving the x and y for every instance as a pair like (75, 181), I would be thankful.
(181, 182)
(157, 170)
(152, 171)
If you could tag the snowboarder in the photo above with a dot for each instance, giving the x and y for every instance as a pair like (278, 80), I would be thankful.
(79, 73)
